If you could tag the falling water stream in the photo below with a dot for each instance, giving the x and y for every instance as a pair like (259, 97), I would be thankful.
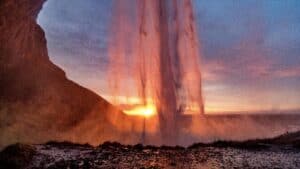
(154, 56)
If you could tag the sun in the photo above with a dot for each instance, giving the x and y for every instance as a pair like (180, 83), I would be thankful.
(142, 110)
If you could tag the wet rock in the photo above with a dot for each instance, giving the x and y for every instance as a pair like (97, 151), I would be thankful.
(115, 155)
(67, 144)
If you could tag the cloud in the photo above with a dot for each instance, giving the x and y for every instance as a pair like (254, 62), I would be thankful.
(247, 69)
(243, 42)
(213, 70)
(288, 72)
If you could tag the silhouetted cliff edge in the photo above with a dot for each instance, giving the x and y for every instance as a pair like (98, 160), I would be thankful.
(37, 101)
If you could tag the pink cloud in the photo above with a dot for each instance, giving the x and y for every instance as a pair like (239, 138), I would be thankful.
(213, 71)
(288, 72)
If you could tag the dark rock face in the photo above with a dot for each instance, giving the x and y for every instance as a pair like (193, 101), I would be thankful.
(22, 49)
(16, 156)
(37, 101)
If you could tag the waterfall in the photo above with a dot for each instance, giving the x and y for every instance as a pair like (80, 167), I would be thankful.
(154, 55)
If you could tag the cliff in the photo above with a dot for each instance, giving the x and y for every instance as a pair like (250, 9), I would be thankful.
(37, 102)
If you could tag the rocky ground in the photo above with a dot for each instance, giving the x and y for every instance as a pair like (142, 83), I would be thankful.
(54, 155)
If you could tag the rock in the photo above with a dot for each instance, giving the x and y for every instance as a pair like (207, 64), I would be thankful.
(35, 94)
(138, 147)
(16, 156)
(33, 157)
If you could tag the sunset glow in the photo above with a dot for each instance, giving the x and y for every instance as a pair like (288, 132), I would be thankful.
(149, 84)
(238, 73)
(146, 111)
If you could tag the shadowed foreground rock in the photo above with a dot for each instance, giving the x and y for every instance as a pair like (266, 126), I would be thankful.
(17, 156)
(279, 152)
(114, 155)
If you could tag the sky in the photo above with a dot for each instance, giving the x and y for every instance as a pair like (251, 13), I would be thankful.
(250, 49)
